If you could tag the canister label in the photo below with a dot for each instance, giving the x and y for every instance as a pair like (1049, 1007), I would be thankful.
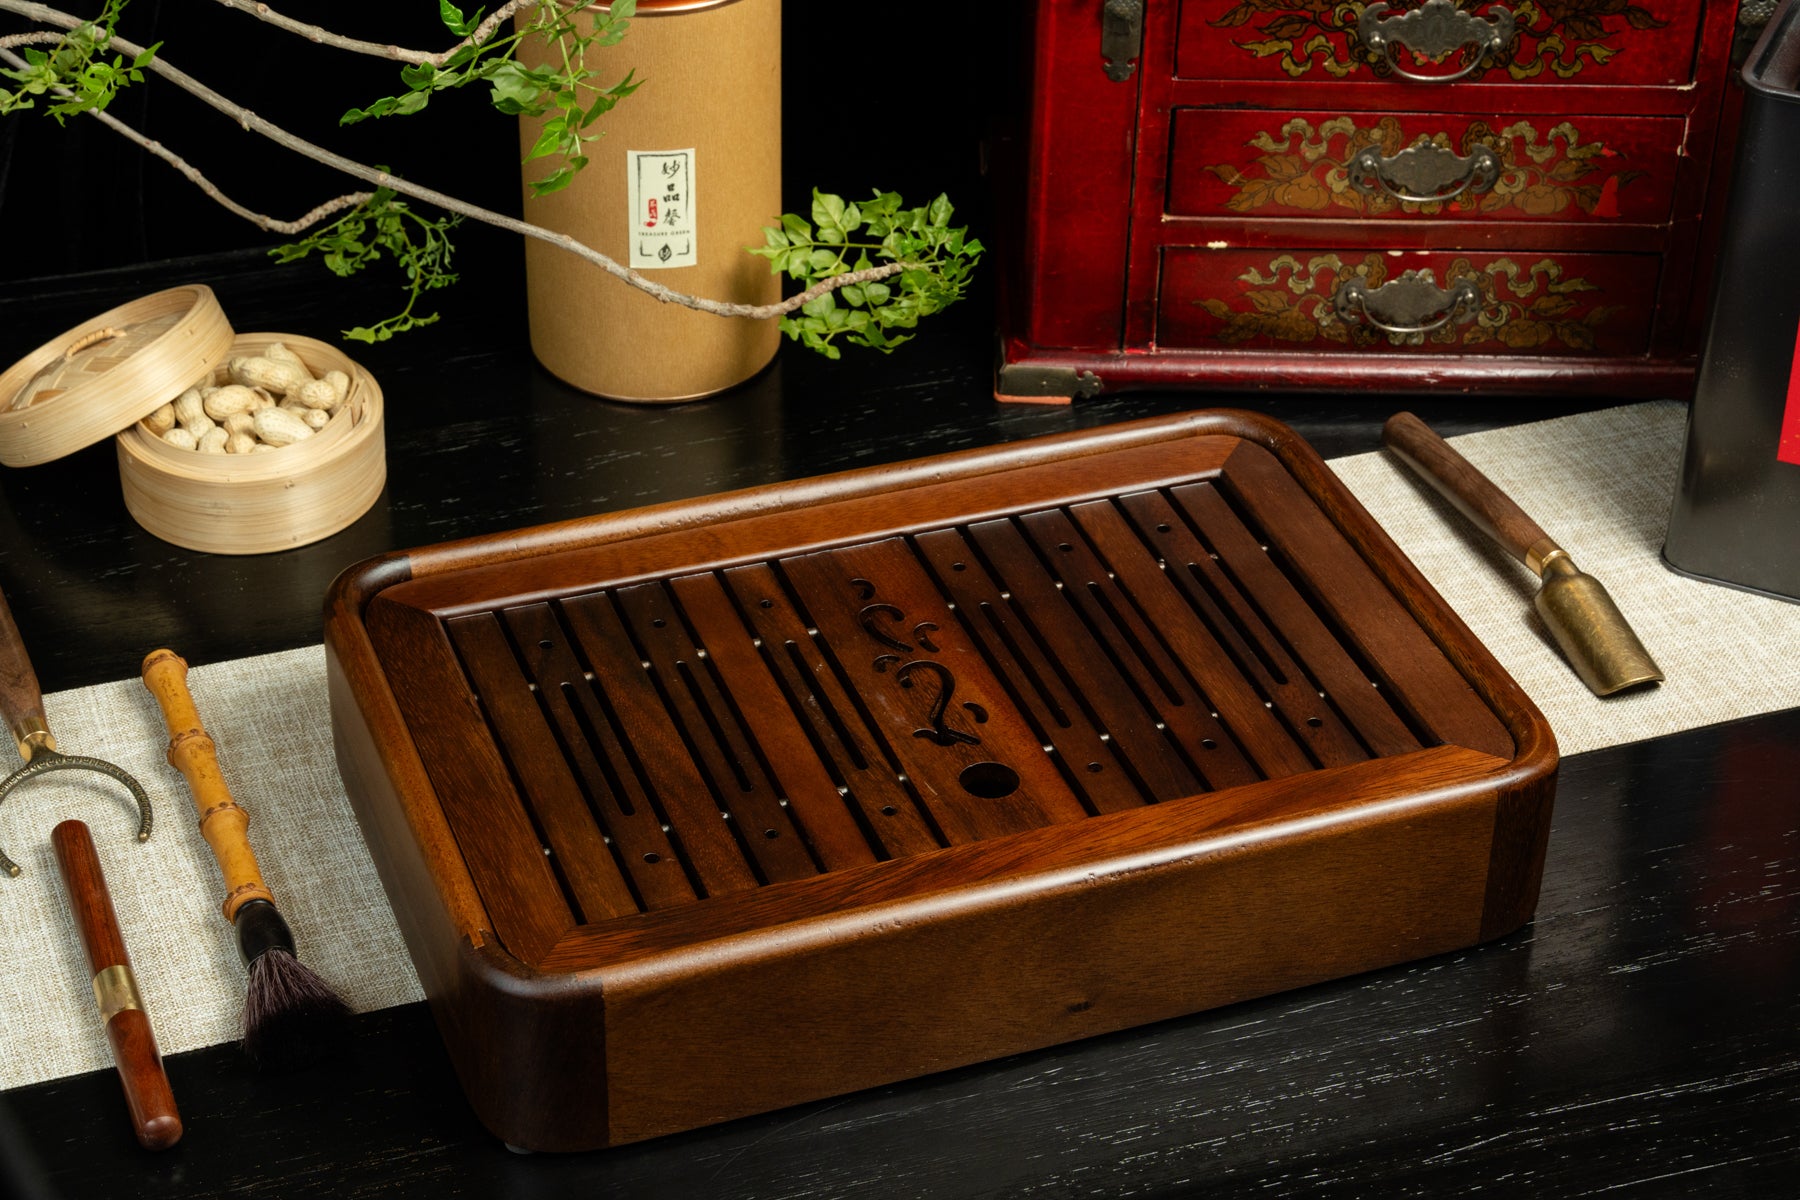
(661, 185)
(1788, 449)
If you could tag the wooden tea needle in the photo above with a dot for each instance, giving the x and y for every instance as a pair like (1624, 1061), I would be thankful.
(147, 1094)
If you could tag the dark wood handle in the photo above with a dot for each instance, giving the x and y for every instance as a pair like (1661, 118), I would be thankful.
(151, 1101)
(1473, 494)
(21, 700)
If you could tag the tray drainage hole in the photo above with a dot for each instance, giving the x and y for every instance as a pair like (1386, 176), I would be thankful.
(771, 833)
(1163, 528)
(1065, 547)
(989, 780)
(653, 857)
(768, 603)
(1314, 722)
(658, 623)
(1208, 744)
(1094, 767)
(888, 810)
(959, 566)
(545, 643)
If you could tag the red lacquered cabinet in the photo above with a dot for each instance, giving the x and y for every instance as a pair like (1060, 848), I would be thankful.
(1308, 194)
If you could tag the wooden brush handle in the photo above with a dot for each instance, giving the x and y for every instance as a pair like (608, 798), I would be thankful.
(21, 700)
(147, 1093)
(1473, 494)
(191, 751)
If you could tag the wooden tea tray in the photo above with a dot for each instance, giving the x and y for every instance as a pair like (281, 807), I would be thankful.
(702, 810)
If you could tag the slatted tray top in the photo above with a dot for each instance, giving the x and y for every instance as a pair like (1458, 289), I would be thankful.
(776, 731)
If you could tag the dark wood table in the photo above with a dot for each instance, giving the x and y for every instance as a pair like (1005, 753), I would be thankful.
(1641, 1037)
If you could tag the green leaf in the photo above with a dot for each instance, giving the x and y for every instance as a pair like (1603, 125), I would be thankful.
(548, 141)
(453, 19)
(827, 210)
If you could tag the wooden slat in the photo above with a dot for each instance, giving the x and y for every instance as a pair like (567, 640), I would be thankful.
(813, 800)
(846, 745)
(1095, 757)
(671, 779)
(599, 758)
(554, 797)
(974, 762)
(1103, 675)
(740, 786)
(1203, 704)
(1345, 684)
(472, 785)
(1344, 586)
(1232, 622)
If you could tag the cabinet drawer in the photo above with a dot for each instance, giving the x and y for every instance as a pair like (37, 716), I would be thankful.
(1583, 41)
(1372, 165)
(1431, 302)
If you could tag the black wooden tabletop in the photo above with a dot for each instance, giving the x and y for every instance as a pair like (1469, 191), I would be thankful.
(1641, 1037)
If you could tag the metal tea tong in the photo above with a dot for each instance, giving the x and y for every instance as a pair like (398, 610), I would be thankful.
(22, 705)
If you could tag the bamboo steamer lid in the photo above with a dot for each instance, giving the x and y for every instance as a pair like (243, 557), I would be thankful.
(109, 372)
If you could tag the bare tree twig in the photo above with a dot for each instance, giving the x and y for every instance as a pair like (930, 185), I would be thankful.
(250, 122)
(323, 36)
(42, 38)
(199, 180)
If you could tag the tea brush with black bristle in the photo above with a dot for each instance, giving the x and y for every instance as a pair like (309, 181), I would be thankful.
(291, 1016)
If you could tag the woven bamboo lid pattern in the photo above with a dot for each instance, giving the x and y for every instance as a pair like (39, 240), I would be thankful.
(108, 372)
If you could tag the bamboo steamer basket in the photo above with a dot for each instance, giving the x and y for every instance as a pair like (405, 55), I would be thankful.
(105, 376)
(257, 503)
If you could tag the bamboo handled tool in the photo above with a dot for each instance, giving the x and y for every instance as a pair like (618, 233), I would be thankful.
(290, 1015)
(1580, 615)
(147, 1094)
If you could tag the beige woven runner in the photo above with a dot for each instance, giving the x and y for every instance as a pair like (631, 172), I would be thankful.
(1601, 483)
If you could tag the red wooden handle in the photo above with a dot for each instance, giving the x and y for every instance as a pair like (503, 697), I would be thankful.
(21, 700)
(147, 1093)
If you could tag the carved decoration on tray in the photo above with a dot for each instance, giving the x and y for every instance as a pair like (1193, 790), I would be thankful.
(1520, 308)
(1539, 175)
(1556, 37)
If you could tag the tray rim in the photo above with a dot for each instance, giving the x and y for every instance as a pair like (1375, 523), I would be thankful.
(367, 685)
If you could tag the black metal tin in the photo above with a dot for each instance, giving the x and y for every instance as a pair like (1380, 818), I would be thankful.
(1736, 516)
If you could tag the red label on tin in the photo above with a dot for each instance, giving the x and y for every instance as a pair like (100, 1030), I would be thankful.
(1788, 449)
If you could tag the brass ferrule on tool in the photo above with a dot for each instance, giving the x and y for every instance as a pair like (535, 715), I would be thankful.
(115, 990)
(32, 735)
(1541, 554)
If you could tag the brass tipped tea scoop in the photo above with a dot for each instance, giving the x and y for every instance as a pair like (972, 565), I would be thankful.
(22, 704)
(1580, 615)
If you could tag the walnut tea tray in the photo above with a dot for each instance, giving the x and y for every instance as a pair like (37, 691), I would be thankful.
(707, 809)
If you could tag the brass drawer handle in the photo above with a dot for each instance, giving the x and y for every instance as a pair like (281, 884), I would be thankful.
(1425, 173)
(1413, 303)
(1436, 29)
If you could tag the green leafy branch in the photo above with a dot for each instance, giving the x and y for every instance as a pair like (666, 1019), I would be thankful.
(564, 89)
(384, 224)
(936, 264)
(75, 70)
(924, 263)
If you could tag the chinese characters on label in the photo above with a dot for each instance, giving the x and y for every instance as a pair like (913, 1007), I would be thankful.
(662, 208)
